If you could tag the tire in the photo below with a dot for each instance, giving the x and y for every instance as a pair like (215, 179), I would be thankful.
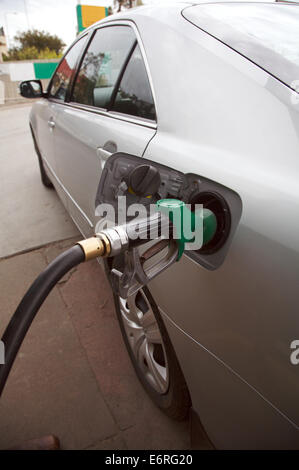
(44, 177)
(152, 353)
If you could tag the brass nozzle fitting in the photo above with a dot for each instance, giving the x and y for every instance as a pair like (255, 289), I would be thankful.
(108, 242)
(94, 247)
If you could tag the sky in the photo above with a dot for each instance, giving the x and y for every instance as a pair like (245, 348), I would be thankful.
(54, 16)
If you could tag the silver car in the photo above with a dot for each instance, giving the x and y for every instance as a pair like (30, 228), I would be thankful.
(211, 90)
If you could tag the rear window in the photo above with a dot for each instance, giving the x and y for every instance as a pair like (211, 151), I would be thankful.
(267, 34)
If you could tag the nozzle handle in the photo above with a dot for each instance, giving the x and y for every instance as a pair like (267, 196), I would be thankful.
(187, 223)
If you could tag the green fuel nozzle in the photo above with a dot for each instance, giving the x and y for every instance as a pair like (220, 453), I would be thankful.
(180, 229)
(188, 224)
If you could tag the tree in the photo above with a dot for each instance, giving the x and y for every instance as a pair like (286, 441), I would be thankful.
(41, 40)
(125, 4)
(29, 53)
(34, 44)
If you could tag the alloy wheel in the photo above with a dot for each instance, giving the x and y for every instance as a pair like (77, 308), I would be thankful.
(145, 340)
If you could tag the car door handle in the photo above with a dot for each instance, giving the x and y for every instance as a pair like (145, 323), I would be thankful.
(51, 123)
(103, 155)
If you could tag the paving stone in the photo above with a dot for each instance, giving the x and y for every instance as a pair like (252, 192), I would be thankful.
(52, 388)
(115, 443)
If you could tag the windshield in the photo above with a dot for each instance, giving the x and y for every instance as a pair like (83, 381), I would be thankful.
(265, 33)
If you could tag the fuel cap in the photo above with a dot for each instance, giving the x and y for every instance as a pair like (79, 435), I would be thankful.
(145, 180)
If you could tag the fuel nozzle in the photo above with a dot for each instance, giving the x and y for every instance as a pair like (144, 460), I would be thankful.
(174, 226)
(172, 220)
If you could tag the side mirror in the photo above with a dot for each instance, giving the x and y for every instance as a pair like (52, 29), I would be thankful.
(31, 89)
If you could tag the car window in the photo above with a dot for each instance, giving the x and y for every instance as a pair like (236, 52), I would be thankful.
(134, 95)
(101, 65)
(62, 76)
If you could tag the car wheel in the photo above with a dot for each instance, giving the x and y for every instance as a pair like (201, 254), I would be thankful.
(152, 353)
(44, 177)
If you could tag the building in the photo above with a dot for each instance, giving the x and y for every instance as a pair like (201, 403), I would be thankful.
(3, 44)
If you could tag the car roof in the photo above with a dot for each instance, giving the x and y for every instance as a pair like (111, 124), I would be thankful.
(150, 9)
(264, 33)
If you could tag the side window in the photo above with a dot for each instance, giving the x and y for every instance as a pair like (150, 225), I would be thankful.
(102, 63)
(64, 71)
(134, 95)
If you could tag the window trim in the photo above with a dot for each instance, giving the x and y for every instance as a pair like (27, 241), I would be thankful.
(103, 111)
(111, 114)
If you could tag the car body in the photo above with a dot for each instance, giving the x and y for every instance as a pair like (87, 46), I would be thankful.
(235, 121)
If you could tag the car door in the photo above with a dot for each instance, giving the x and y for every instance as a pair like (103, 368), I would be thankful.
(47, 110)
(111, 108)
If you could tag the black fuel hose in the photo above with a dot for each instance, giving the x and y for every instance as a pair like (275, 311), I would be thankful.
(30, 304)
